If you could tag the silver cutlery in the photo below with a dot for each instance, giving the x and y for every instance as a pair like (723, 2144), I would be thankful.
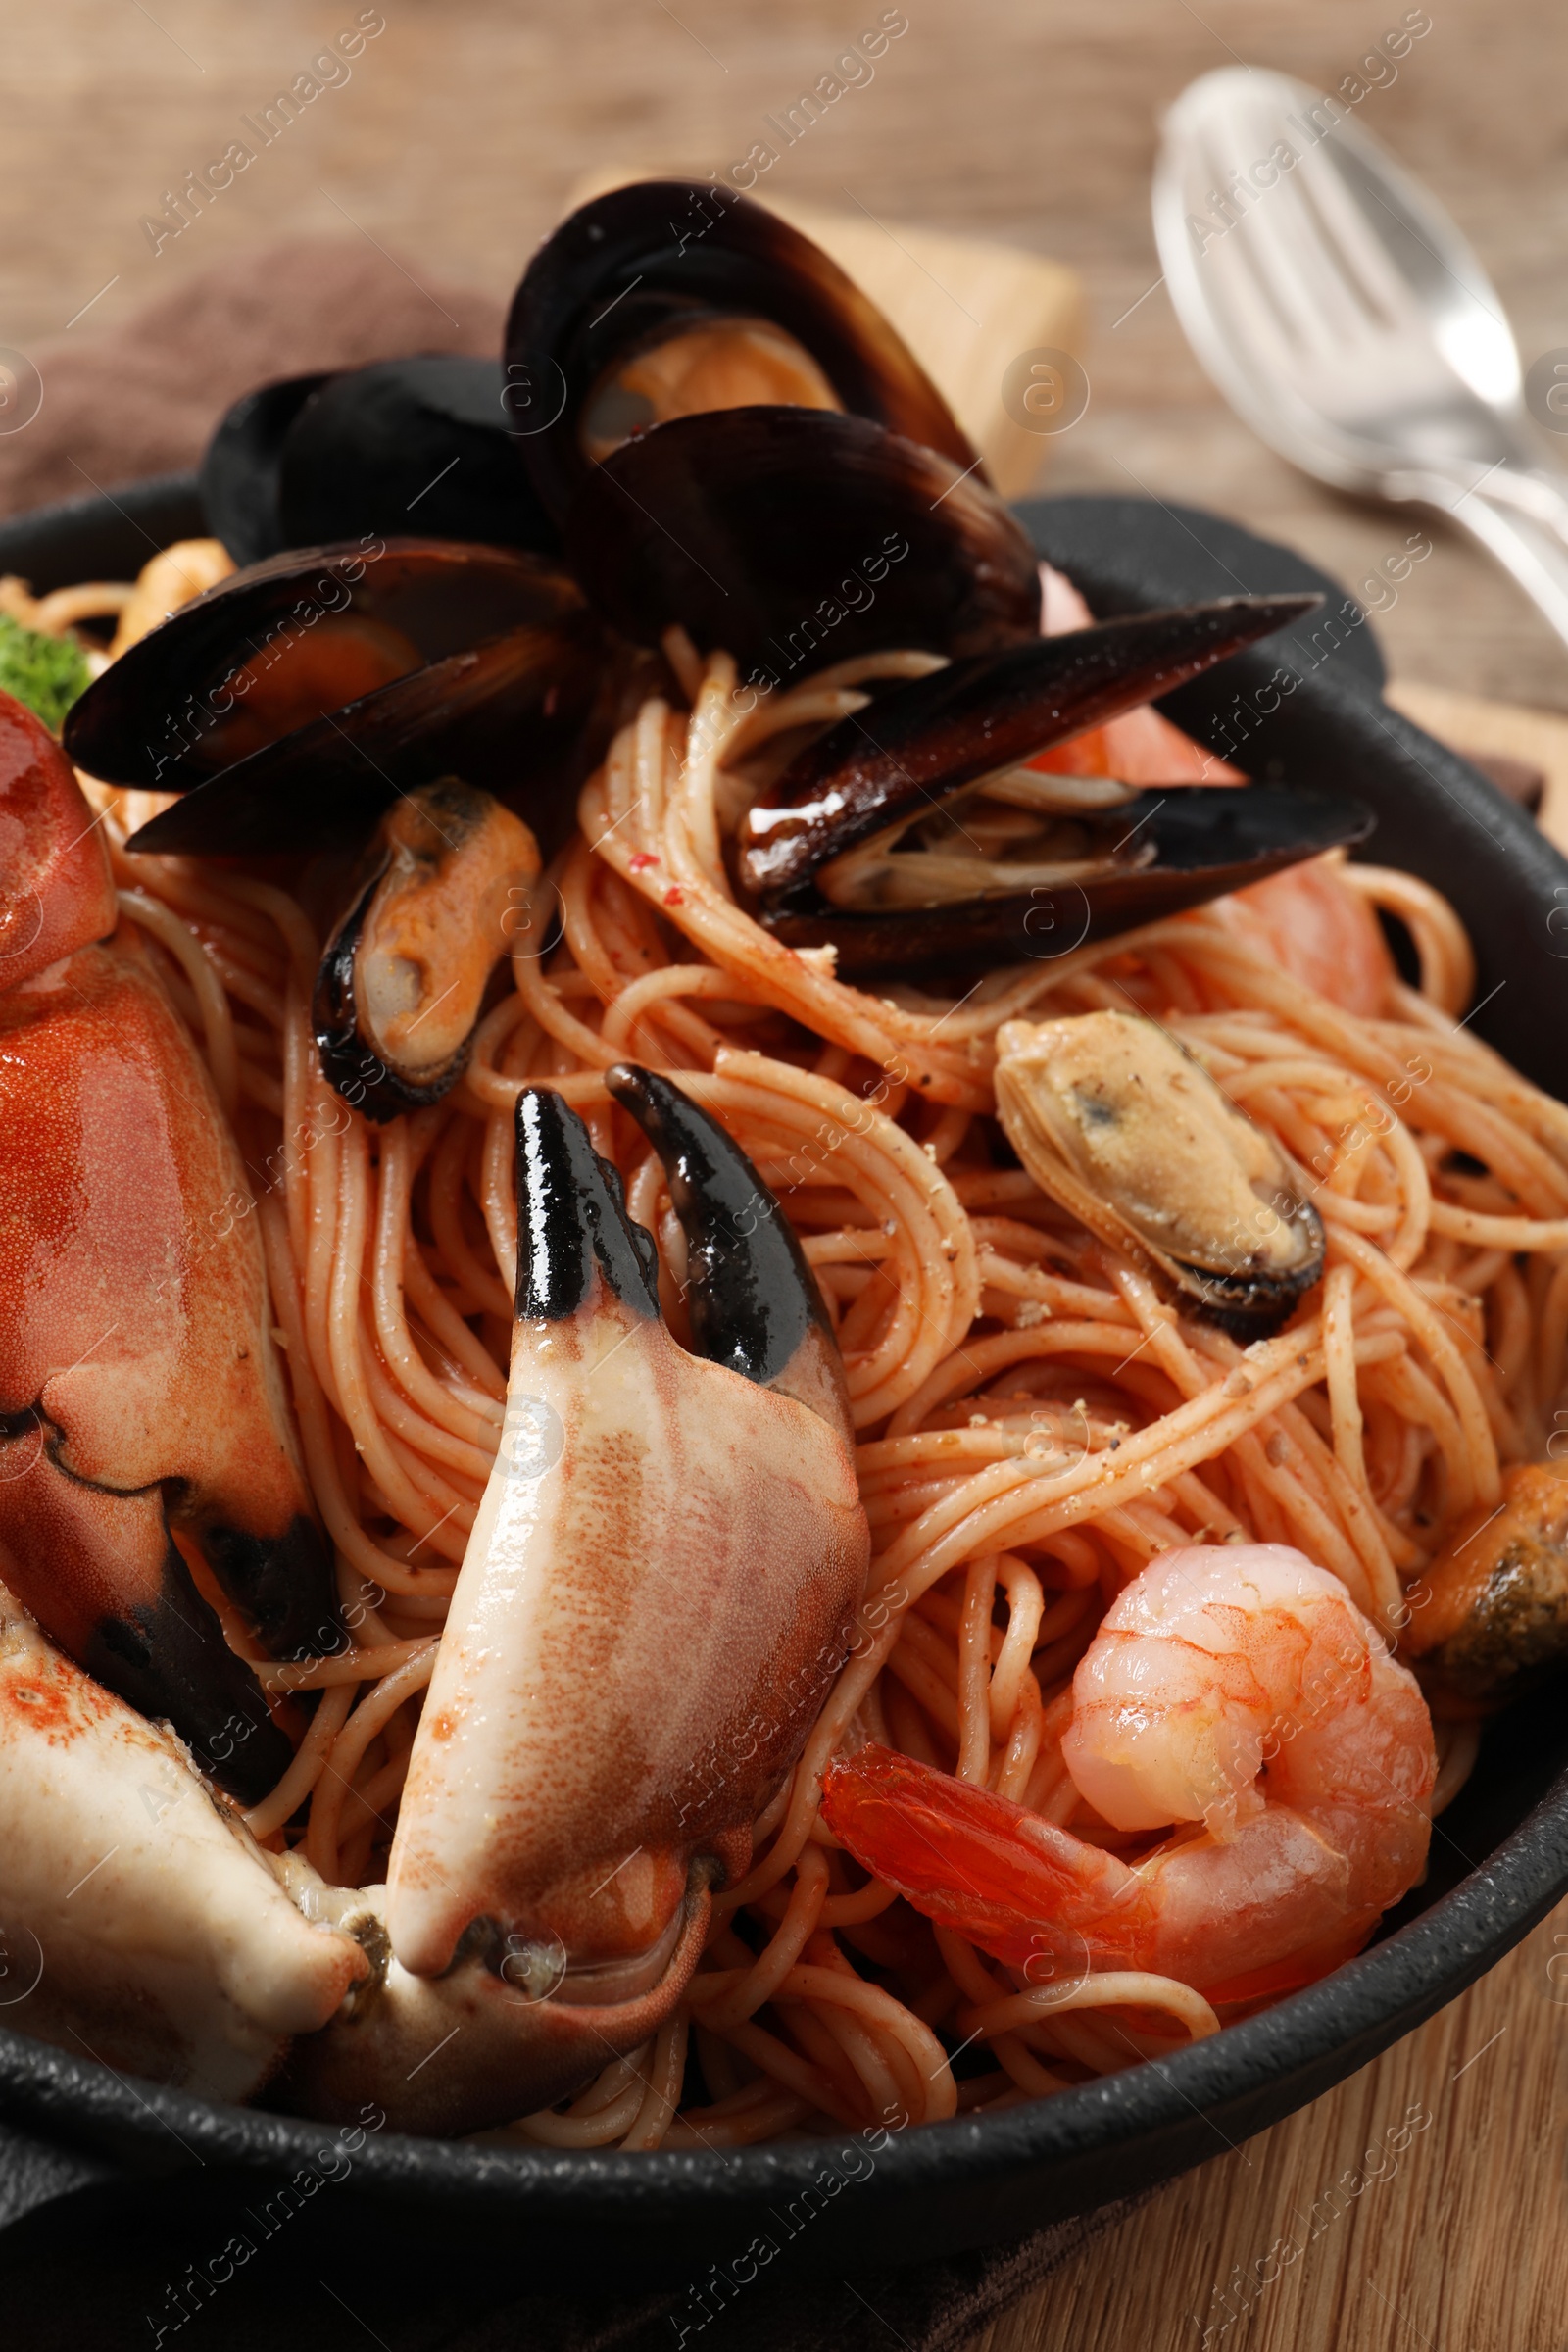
(1339, 310)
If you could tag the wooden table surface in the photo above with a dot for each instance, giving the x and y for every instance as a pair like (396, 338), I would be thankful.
(451, 147)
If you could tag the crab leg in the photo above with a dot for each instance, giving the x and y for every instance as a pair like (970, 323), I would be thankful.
(655, 1596)
(142, 1416)
(481, 2044)
(141, 1924)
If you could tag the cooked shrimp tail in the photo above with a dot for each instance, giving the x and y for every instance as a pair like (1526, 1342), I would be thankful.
(1236, 1697)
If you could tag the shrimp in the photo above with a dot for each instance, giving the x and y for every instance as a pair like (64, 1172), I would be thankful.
(1235, 1691)
(1317, 929)
(1139, 746)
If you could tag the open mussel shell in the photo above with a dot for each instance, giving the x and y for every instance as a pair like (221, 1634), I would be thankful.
(925, 740)
(1121, 1124)
(793, 539)
(443, 892)
(1156, 854)
(518, 714)
(239, 470)
(294, 700)
(632, 270)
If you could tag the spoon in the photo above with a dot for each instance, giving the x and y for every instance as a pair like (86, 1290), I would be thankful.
(1340, 311)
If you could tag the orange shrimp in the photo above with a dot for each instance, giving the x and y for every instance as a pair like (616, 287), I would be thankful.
(1236, 1689)
(1140, 746)
(1319, 930)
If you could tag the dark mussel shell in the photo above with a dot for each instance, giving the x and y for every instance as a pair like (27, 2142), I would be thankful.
(417, 444)
(239, 471)
(633, 266)
(794, 538)
(496, 672)
(925, 740)
(1198, 842)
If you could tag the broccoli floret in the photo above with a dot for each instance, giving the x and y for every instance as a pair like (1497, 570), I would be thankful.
(47, 674)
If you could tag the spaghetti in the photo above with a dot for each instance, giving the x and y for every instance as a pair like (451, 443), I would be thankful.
(1036, 1423)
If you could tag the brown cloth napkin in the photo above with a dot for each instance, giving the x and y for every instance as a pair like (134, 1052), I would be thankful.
(142, 398)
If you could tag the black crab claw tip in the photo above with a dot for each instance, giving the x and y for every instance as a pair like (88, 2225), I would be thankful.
(169, 1659)
(572, 1218)
(284, 1582)
(752, 1298)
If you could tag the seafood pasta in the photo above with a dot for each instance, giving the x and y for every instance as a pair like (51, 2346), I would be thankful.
(1041, 1425)
(886, 1540)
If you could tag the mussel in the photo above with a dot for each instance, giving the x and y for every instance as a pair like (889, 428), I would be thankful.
(1490, 1617)
(671, 298)
(411, 682)
(419, 444)
(239, 468)
(795, 539)
(442, 894)
(1121, 1124)
(289, 704)
(980, 717)
(911, 834)
(1152, 855)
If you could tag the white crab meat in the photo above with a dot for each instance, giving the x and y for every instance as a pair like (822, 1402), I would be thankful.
(143, 1924)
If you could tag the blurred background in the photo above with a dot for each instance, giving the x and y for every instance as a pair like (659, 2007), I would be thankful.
(397, 207)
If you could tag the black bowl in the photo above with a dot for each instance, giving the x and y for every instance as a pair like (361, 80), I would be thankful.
(1310, 714)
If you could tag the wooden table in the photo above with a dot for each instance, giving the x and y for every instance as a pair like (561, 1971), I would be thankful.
(453, 145)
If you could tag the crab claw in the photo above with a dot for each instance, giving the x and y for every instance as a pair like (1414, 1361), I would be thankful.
(142, 1416)
(142, 1924)
(754, 1307)
(656, 1594)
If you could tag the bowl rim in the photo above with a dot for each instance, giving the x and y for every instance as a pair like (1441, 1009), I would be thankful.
(1255, 2071)
(1350, 2015)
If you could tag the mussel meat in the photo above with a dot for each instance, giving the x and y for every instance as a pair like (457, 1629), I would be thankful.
(795, 539)
(289, 704)
(670, 298)
(443, 894)
(1121, 1124)
(1490, 1616)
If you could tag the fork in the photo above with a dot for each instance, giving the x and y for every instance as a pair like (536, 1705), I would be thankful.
(1339, 310)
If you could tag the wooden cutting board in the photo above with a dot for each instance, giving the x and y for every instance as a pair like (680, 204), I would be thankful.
(1503, 733)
